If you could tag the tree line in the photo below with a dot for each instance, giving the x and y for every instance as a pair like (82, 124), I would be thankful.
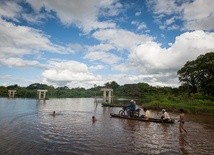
(196, 76)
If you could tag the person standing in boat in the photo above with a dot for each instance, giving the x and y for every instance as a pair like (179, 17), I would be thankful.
(147, 114)
(181, 120)
(131, 107)
(165, 115)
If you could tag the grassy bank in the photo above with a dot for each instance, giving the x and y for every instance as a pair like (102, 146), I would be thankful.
(194, 104)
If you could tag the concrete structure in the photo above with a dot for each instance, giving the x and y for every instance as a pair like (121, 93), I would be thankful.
(42, 94)
(107, 95)
(11, 93)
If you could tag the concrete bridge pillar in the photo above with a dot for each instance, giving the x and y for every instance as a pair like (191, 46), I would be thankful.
(11, 93)
(42, 94)
(107, 95)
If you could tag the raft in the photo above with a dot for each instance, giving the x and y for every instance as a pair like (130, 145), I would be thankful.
(156, 120)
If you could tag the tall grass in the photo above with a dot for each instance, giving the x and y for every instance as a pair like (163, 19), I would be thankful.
(193, 104)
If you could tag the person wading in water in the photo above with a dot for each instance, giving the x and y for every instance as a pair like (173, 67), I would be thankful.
(181, 120)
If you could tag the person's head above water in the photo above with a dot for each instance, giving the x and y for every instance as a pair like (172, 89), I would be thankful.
(94, 119)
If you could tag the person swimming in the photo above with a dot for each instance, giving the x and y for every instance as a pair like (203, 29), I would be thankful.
(94, 119)
(53, 113)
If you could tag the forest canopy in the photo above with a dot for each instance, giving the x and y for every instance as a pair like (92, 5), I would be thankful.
(198, 75)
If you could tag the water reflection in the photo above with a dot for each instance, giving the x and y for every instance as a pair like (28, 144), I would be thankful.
(183, 144)
(29, 127)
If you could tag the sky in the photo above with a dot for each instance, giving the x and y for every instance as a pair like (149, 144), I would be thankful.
(83, 43)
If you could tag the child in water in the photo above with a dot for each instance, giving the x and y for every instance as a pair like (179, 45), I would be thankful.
(181, 120)
(94, 119)
(54, 113)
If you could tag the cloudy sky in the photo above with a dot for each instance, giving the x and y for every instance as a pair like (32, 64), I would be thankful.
(80, 43)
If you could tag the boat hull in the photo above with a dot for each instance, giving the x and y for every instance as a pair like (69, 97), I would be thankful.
(156, 120)
(111, 105)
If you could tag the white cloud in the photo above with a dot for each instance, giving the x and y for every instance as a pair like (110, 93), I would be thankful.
(80, 13)
(116, 40)
(102, 56)
(140, 26)
(102, 53)
(21, 80)
(120, 38)
(69, 72)
(188, 46)
(198, 9)
(18, 62)
(17, 41)
(166, 7)
(75, 47)
(150, 63)
(123, 67)
(196, 14)
(96, 67)
(138, 13)
(35, 18)
(101, 47)
(199, 15)
(9, 9)
(165, 79)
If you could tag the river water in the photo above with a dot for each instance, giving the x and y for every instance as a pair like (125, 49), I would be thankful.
(27, 127)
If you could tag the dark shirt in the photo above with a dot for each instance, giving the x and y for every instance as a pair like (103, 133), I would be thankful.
(131, 106)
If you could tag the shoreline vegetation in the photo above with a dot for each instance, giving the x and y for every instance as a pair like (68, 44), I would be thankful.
(152, 98)
(189, 106)
(155, 98)
(195, 104)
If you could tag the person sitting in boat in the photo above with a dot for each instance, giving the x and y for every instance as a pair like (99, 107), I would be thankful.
(165, 115)
(131, 107)
(147, 114)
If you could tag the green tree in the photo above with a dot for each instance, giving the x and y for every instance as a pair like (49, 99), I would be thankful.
(198, 75)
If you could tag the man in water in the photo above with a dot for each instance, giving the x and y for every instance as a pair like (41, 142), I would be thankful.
(181, 120)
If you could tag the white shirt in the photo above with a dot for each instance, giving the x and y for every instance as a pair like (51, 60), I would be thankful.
(147, 114)
(166, 115)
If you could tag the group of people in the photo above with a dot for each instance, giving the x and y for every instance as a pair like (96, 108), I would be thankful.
(165, 116)
(131, 108)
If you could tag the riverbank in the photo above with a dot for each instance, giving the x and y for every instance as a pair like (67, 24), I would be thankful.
(190, 105)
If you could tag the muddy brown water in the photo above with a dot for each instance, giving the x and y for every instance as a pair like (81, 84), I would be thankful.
(28, 127)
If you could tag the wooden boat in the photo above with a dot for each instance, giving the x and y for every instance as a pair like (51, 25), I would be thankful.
(156, 120)
(111, 105)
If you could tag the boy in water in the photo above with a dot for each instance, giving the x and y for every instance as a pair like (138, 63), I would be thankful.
(94, 119)
(181, 120)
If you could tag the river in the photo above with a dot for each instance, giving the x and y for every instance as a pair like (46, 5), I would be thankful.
(27, 126)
